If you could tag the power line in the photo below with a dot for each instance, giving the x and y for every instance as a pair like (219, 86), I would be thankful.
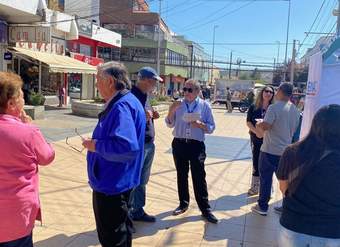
(210, 15)
(311, 27)
(84, 17)
(216, 19)
(250, 44)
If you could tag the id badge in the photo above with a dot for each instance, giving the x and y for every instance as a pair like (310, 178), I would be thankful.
(188, 132)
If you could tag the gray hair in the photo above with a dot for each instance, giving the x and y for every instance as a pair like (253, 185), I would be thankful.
(118, 72)
(196, 84)
(287, 89)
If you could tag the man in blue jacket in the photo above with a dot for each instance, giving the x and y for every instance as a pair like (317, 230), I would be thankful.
(115, 155)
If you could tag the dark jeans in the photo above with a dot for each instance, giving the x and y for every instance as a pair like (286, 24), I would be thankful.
(191, 154)
(138, 194)
(112, 219)
(268, 164)
(256, 144)
(21, 242)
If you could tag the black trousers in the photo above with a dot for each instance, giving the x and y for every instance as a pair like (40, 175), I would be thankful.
(112, 219)
(21, 242)
(256, 144)
(191, 154)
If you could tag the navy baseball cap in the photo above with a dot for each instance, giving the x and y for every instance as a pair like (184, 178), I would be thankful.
(149, 73)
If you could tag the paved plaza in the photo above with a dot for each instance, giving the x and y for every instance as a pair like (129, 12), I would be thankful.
(66, 197)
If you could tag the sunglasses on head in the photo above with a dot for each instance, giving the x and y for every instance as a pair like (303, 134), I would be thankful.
(189, 90)
(269, 91)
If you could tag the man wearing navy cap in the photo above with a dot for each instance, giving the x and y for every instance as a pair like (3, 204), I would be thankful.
(147, 80)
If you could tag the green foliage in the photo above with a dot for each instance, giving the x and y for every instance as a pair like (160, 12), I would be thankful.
(244, 76)
(154, 102)
(98, 100)
(162, 98)
(36, 99)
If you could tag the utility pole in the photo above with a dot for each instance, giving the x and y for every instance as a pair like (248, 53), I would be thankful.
(213, 54)
(292, 63)
(159, 39)
(274, 66)
(193, 70)
(287, 37)
(191, 59)
(230, 62)
(338, 21)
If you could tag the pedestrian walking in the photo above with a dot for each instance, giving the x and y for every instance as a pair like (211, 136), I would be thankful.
(256, 113)
(147, 80)
(279, 125)
(115, 155)
(228, 100)
(309, 175)
(191, 119)
(23, 149)
(61, 94)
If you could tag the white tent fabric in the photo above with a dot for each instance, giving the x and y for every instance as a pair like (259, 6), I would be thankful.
(312, 103)
(323, 88)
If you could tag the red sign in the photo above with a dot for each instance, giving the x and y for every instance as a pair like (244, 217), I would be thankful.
(94, 61)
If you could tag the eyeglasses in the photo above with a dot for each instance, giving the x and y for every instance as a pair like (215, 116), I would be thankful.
(72, 146)
(189, 90)
(269, 91)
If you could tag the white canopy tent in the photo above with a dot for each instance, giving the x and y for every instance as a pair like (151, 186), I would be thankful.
(323, 87)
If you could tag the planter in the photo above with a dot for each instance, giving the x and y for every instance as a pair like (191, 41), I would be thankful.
(162, 109)
(35, 112)
(86, 108)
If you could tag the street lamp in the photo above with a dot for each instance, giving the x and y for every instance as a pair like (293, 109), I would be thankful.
(213, 54)
(287, 37)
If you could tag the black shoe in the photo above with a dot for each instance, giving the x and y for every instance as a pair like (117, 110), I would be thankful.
(145, 218)
(179, 210)
(278, 210)
(133, 229)
(210, 217)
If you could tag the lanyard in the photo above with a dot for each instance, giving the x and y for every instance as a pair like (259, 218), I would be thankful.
(193, 109)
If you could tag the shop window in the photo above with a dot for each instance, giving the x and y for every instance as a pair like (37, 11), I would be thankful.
(75, 85)
(124, 29)
(145, 31)
(115, 54)
(104, 53)
(85, 49)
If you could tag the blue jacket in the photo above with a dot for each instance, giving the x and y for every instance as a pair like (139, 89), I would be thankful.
(116, 165)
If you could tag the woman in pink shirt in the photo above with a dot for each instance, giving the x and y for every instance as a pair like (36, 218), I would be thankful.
(22, 149)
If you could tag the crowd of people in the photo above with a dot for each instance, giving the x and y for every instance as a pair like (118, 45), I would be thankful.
(308, 170)
(121, 151)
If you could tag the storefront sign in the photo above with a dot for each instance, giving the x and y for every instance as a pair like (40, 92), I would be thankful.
(84, 27)
(94, 61)
(8, 56)
(57, 46)
(33, 34)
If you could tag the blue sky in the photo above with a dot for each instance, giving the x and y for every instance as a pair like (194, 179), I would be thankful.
(252, 21)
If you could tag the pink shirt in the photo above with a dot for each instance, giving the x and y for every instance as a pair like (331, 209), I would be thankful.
(22, 149)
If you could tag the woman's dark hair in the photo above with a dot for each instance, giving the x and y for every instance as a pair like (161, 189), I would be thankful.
(259, 97)
(324, 135)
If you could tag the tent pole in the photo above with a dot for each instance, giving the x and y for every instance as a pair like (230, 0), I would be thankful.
(39, 87)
